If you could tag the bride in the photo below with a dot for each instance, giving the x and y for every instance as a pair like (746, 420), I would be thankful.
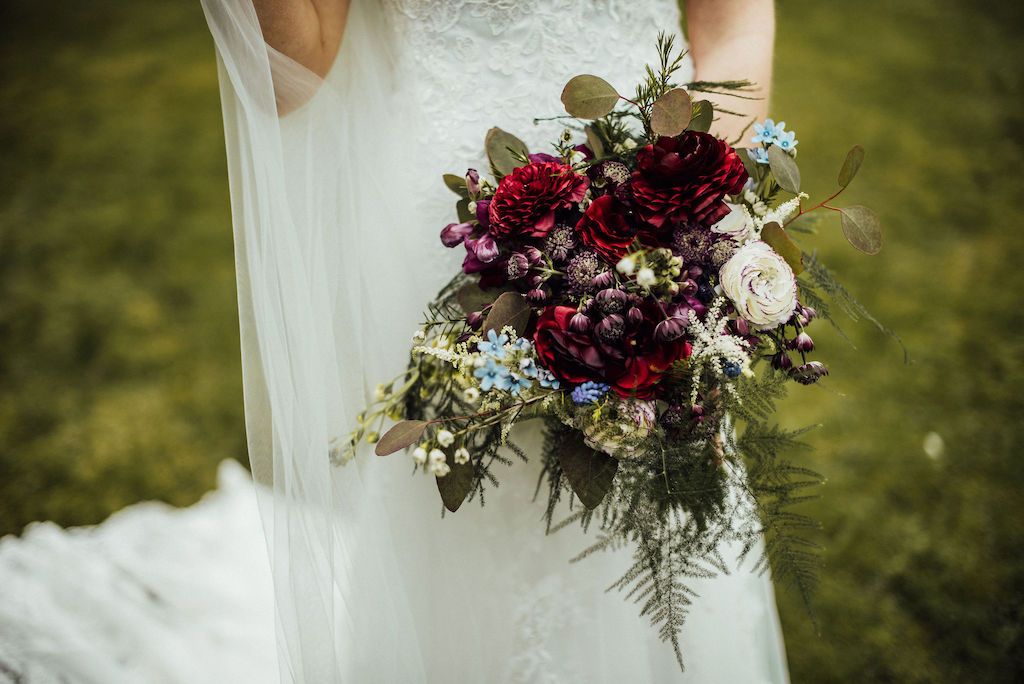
(340, 119)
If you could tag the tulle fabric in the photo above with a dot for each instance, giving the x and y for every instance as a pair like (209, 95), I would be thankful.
(371, 584)
(308, 190)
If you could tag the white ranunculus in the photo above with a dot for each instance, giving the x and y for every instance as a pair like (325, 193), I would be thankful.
(738, 225)
(761, 285)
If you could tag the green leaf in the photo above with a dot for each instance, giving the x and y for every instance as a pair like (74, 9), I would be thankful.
(456, 485)
(749, 164)
(472, 298)
(862, 229)
(401, 435)
(854, 158)
(594, 143)
(785, 170)
(590, 473)
(502, 149)
(510, 308)
(589, 97)
(462, 209)
(777, 239)
(456, 184)
(671, 113)
(702, 116)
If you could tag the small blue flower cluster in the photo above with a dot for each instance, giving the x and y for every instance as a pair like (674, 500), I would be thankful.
(495, 375)
(589, 392)
(771, 133)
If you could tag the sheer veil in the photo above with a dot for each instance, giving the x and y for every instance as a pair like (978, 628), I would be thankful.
(308, 198)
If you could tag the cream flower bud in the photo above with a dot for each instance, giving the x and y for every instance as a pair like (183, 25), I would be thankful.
(419, 455)
(471, 394)
(461, 455)
(626, 265)
(440, 469)
(445, 438)
(761, 285)
(645, 277)
(436, 456)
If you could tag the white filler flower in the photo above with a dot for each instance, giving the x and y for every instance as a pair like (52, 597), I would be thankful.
(761, 285)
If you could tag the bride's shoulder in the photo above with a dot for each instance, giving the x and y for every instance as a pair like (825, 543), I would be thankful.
(307, 31)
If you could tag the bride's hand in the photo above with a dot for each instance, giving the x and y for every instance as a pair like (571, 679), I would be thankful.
(733, 39)
(307, 31)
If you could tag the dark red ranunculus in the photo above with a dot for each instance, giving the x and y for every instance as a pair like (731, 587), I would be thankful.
(633, 364)
(685, 179)
(606, 229)
(526, 200)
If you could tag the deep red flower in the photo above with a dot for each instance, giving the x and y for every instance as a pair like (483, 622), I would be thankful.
(685, 179)
(632, 363)
(526, 200)
(605, 228)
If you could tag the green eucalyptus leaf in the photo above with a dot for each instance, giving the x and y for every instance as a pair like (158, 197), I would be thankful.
(854, 158)
(456, 485)
(401, 435)
(502, 149)
(510, 308)
(472, 298)
(776, 237)
(670, 114)
(462, 209)
(749, 164)
(456, 184)
(862, 229)
(702, 116)
(594, 143)
(590, 473)
(589, 97)
(785, 170)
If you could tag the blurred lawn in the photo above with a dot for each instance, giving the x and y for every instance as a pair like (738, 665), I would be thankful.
(119, 374)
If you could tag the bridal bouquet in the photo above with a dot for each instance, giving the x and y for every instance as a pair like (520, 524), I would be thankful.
(636, 290)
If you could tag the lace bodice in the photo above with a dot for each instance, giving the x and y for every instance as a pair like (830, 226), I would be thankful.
(474, 64)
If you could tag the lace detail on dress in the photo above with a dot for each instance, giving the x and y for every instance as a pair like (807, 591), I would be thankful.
(468, 65)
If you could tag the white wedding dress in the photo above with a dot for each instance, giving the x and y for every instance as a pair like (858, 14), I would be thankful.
(337, 209)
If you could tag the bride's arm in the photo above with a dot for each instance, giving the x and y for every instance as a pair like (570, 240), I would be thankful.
(733, 39)
(307, 31)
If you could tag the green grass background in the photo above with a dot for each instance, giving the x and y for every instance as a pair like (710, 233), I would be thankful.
(119, 371)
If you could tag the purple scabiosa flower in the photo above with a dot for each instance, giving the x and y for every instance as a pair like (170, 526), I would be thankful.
(538, 295)
(611, 301)
(560, 241)
(803, 342)
(581, 271)
(517, 266)
(634, 316)
(781, 361)
(603, 280)
(809, 373)
(610, 329)
(589, 392)
(580, 322)
(670, 329)
(692, 244)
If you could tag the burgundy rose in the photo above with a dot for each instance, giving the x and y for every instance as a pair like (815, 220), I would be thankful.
(526, 200)
(685, 179)
(614, 351)
(605, 228)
